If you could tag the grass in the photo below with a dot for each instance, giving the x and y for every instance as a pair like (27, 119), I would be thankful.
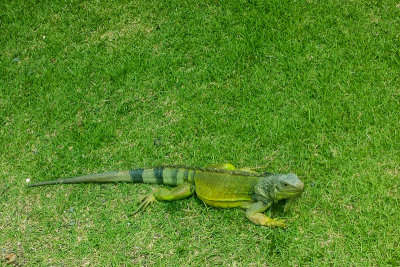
(310, 87)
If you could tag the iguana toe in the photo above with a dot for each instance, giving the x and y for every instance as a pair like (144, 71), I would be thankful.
(277, 223)
(145, 201)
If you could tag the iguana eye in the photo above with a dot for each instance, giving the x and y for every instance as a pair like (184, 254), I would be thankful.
(285, 184)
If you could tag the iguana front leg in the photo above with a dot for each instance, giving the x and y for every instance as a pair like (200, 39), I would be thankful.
(163, 194)
(254, 214)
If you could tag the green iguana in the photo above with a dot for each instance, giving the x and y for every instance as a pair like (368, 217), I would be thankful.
(221, 186)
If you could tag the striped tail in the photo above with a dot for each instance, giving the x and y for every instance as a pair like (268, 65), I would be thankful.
(163, 175)
(159, 175)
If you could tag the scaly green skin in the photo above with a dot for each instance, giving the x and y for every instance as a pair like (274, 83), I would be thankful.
(218, 185)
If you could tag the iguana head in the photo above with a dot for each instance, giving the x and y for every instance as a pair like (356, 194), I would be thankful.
(275, 187)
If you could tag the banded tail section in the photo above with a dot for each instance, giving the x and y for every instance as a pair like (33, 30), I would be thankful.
(159, 175)
(163, 175)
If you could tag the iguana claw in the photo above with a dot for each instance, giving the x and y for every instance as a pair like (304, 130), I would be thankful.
(145, 201)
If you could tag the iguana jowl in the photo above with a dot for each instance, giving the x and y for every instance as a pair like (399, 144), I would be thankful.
(219, 186)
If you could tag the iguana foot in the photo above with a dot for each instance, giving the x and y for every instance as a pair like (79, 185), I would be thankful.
(182, 191)
(261, 219)
(253, 213)
(277, 223)
(145, 201)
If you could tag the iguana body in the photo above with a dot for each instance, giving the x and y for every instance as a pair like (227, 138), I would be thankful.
(219, 186)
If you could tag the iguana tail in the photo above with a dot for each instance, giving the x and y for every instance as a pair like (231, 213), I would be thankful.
(159, 175)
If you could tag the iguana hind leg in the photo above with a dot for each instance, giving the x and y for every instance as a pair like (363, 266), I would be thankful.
(163, 194)
(254, 214)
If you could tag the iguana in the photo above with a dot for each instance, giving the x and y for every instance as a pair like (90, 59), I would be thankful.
(221, 186)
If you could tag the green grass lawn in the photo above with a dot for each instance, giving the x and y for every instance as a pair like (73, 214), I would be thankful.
(310, 87)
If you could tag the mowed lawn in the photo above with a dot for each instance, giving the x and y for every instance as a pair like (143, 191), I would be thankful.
(309, 87)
